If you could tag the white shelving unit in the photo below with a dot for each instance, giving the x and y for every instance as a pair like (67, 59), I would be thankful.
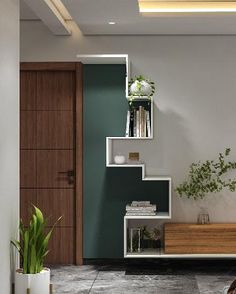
(110, 141)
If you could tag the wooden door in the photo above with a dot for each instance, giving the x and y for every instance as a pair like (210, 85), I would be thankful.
(51, 153)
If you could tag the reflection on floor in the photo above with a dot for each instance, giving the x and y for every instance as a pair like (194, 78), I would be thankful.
(164, 277)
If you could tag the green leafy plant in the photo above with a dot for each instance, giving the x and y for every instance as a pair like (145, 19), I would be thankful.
(153, 234)
(208, 177)
(33, 246)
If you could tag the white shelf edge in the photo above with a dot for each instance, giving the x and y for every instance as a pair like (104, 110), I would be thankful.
(124, 165)
(103, 58)
(160, 215)
(140, 98)
(157, 178)
(129, 138)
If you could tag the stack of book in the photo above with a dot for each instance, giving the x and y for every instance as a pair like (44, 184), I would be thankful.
(138, 123)
(141, 208)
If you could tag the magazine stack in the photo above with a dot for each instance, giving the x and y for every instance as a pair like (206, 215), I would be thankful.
(141, 208)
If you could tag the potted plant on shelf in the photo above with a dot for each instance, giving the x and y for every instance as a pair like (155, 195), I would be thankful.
(208, 177)
(141, 87)
(33, 248)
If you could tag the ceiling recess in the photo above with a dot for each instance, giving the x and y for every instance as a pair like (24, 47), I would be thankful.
(155, 8)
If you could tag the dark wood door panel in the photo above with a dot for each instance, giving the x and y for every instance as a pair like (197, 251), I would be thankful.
(28, 90)
(28, 198)
(52, 166)
(28, 172)
(55, 90)
(28, 129)
(61, 247)
(55, 203)
(51, 145)
(55, 130)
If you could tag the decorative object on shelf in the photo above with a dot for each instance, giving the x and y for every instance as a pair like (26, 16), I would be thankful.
(134, 156)
(135, 239)
(203, 217)
(208, 177)
(141, 87)
(33, 249)
(150, 238)
(119, 159)
(138, 123)
(139, 208)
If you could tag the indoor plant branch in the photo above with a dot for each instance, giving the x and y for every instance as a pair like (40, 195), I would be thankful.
(208, 177)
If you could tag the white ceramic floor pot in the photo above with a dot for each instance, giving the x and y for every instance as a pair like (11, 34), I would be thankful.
(37, 283)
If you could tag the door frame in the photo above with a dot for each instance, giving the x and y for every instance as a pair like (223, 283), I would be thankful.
(77, 68)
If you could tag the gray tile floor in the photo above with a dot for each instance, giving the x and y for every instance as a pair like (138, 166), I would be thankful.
(160, 278)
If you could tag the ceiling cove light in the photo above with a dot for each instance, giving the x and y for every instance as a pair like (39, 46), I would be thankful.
(111, 22)
(153, 8)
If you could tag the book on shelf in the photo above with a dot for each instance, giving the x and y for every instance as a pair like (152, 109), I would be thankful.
(141, 213)
(141, 208)
(138, 123)
(127, 124)
(135, 123)
(131, 129)
(148, 124)
(140, 203)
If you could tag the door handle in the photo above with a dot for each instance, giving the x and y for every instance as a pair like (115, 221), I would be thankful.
(70, 175)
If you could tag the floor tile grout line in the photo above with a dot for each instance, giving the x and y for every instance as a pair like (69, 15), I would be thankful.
(93, 282)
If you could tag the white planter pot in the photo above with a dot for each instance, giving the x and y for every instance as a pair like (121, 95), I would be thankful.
(37, 283)
(142, 88)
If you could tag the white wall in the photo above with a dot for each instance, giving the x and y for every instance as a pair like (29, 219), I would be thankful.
(195, 103)
(9, 135)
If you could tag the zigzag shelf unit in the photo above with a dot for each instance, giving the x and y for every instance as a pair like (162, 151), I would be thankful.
(111, 142)
(160, 217)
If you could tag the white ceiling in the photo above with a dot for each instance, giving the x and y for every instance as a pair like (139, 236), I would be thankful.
(92, 16)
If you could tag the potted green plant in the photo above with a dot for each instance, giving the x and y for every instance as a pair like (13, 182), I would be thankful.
(33, 249)
(208, 177)
(141, 87)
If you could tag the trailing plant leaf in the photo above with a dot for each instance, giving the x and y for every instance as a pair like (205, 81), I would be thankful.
(34, 242)
(208, 177)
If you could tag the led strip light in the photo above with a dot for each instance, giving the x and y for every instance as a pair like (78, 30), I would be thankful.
(154, 7)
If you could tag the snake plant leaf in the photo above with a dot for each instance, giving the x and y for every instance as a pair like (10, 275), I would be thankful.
(33, 261)
(39, 215)
(17, 245)
(26, 252)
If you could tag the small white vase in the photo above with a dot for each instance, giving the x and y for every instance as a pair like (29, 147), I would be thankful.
(119, 159)
(37, 283)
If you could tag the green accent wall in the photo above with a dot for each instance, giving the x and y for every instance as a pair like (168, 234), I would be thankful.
(108, 190)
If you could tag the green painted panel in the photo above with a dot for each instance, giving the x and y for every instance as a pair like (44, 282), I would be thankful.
(108, 190)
